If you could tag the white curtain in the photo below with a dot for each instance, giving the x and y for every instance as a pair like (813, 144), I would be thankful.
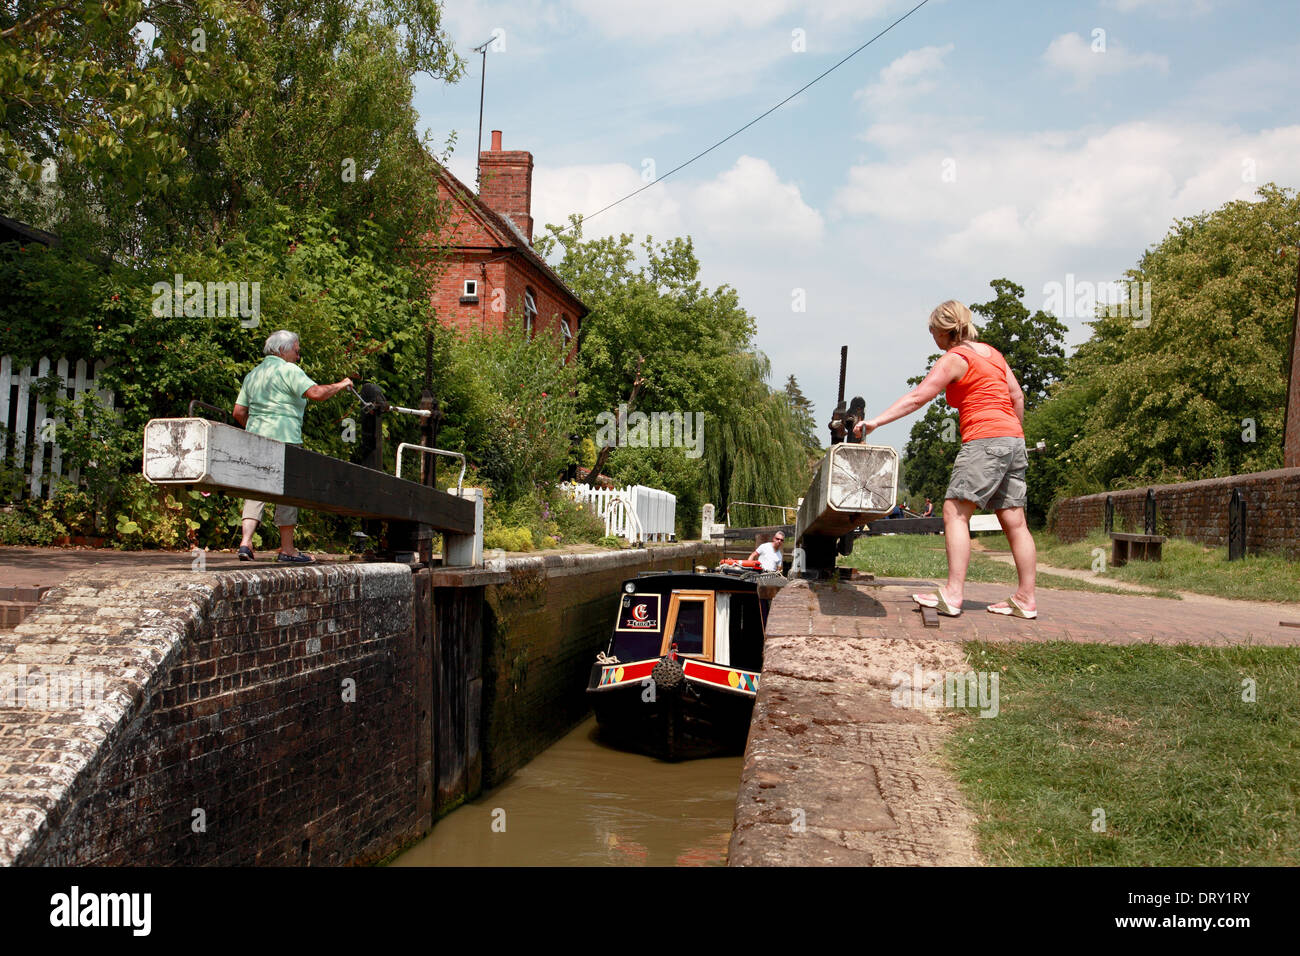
(722, 629)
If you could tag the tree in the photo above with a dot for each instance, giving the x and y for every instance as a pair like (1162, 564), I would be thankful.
(801, 409)
(1198, 390)
(931, 449)
(232, 112)
(1032, 345)
(699, 358)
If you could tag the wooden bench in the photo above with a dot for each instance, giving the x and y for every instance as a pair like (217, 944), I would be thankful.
(1139, 547)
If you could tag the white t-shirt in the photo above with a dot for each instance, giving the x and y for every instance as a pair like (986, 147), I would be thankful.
(769, 557)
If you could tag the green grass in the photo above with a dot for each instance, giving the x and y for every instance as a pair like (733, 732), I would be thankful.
(1158, 737)
(922, 556)
(1185, 566)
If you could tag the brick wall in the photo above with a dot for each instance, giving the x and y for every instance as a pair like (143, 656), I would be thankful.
(1198, 510)
(226, 694)
(512, 275)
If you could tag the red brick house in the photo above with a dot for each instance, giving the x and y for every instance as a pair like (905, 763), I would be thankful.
(491, 270)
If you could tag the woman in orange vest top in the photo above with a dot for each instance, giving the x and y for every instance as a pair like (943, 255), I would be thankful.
(990, 468)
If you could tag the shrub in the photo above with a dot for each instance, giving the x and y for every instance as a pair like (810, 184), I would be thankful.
(148, 517)
(24, 524)
(509, 539)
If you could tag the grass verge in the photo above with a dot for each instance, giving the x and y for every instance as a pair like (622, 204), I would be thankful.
(1185, 566)
(922, 556)
(1156, 738)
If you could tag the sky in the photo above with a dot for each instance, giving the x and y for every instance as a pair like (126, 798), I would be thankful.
(1044, 142)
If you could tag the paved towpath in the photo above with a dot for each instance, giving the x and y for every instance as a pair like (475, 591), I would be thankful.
(836, 774)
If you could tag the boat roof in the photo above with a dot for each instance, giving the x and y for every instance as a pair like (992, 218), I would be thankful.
(694, 580)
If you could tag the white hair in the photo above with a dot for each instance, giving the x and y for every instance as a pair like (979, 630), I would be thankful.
(277, 343)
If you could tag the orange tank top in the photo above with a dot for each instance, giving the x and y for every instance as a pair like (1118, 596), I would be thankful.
(982, 398)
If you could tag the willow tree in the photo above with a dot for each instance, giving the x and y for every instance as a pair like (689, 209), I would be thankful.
(698, 346)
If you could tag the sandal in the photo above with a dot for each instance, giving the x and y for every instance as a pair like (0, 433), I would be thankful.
(938, 602)
(297, 558)
(1013, 608)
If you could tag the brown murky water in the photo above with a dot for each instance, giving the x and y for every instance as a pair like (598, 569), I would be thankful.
(584, 803)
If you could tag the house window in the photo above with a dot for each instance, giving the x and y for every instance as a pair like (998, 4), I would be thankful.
(530, 312)
(565, 330)
(469, 292)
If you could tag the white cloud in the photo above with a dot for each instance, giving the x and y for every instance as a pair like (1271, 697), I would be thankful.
(515, 25)
(560, 191)
(1085, 60)
(1161, 7)
(745, 205)
(636, 19)
(1061, 201)
(1258, 85)
(749, 203)
(913, 72)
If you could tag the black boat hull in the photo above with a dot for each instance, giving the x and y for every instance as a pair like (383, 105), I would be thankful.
(683, 723)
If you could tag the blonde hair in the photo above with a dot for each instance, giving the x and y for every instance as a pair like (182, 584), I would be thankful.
(955, 319)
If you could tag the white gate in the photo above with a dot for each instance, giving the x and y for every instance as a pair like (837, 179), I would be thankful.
(637, 513)
(26, 424)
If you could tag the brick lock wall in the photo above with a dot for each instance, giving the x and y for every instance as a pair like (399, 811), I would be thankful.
(223, 692)
(242, 717)
(1198, 510)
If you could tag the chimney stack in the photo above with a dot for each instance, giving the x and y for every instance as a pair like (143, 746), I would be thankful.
(507, 184)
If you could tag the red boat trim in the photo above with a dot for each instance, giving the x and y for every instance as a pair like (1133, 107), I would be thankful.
(612, 675)
(727, 678)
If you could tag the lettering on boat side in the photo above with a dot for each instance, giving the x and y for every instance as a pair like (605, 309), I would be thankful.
(639, 612)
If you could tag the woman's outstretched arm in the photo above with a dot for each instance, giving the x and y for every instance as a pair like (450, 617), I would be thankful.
(948, 369)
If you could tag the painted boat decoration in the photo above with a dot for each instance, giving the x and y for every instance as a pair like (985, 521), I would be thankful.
(682, 667)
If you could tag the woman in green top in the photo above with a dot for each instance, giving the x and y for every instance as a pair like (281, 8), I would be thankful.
(271, 403)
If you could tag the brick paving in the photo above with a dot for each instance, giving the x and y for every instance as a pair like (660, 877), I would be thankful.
(835, 774)
(884, 609)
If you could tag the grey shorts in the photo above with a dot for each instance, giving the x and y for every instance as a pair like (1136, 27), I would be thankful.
(991, 473)
(284, 514)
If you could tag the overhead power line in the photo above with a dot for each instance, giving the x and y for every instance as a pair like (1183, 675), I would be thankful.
(756, 119)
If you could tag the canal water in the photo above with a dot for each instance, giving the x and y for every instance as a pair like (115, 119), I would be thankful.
(585, 803)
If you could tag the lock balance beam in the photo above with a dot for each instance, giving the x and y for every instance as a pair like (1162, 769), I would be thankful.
(218, 457)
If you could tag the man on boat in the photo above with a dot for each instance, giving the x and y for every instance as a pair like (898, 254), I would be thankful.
(768, 554)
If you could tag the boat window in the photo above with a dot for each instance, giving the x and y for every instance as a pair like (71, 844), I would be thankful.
(690, 624)
(688, 635)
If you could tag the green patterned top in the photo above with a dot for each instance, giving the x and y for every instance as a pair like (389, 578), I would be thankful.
(273, 394)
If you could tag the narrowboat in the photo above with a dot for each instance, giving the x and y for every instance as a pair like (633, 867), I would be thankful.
(680, 674)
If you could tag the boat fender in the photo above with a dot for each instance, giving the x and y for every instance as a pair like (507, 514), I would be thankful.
(667, 674)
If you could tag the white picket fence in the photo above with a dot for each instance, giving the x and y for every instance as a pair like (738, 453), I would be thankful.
(25, 441)
(636, 513)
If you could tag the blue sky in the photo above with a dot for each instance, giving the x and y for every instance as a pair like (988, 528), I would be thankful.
(976, 140)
